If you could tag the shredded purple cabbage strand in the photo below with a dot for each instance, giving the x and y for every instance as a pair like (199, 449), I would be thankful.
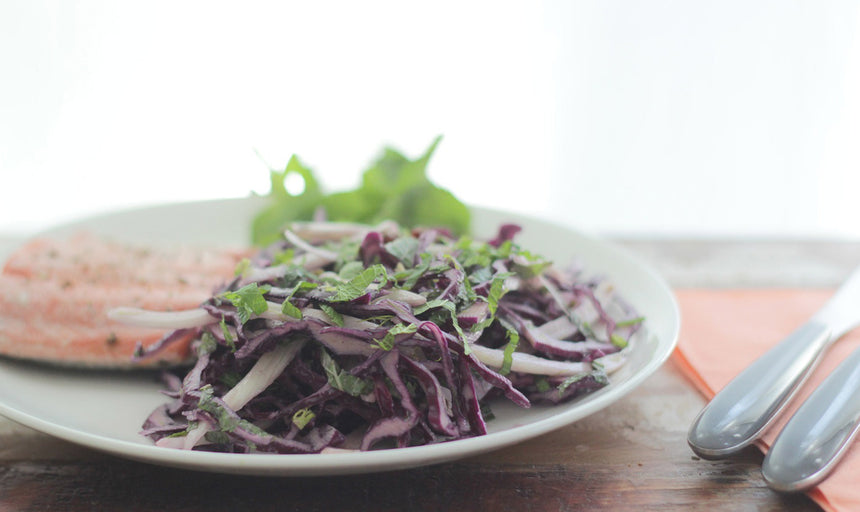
(350, 337)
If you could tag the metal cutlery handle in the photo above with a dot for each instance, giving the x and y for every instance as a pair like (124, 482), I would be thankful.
(739, 413)
(818, 434)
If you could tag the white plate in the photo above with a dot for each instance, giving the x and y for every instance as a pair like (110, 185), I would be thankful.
(104, 410)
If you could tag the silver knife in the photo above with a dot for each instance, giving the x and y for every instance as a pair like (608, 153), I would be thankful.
(747, 405)
(818, 435)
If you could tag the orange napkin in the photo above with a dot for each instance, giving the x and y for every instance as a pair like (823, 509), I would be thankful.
(723, 331)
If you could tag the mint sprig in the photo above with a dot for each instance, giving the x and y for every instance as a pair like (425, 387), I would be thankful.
(393, 187)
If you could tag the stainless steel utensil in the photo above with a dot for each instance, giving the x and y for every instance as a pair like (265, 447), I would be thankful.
(747, 405)
(817, 436)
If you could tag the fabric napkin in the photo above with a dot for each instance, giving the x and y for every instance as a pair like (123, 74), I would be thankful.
(723, 331)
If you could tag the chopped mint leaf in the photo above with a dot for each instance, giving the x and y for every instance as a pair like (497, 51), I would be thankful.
(249, 300)
(464, 242)
(335, 317)
(598, 375)
(475, 258)
(583, 326)
(504, 249)
(205, 402)
(409, 278)
(497, 291)
(302, 417)
(304, 286)
(289, 309)
(294, 275)
(487, 411)
(228, 336)
(357, 286)
(573, 379)
(542, 385)
(387, 342)
(508, 359)
(284, 257)
(531, 269)
(433, 304)
(618, 340)
(226, 422)
(482, 274)
(480, 326)
(403, 248)
(207, 345)
(342, 380)
(629, 322)
(467, 294)
(451, 308)
(350, 270)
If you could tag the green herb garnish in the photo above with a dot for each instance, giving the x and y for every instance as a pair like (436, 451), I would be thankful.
(249, 300)
(357, 286)
(387, 341)
(302, 417)
(343, 380)
(393, 187)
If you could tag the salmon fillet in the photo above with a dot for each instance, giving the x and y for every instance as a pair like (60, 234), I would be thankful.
(55, 294)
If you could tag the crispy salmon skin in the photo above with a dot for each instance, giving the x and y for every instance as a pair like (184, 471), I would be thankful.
(55, 294)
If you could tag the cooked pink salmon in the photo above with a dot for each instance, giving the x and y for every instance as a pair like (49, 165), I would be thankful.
(55, 295)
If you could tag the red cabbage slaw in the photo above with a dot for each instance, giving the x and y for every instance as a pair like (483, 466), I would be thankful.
(345, 336)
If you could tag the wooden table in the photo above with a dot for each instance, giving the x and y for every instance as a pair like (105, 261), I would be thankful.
(629, 456)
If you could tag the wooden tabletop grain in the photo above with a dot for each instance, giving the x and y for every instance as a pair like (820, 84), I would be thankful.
(630, 456)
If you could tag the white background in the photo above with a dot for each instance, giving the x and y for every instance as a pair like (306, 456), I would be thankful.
(624, 117)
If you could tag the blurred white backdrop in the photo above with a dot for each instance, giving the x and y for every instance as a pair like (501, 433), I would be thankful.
(622, 117)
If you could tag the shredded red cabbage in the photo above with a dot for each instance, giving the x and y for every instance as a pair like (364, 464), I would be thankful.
(383, 338)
